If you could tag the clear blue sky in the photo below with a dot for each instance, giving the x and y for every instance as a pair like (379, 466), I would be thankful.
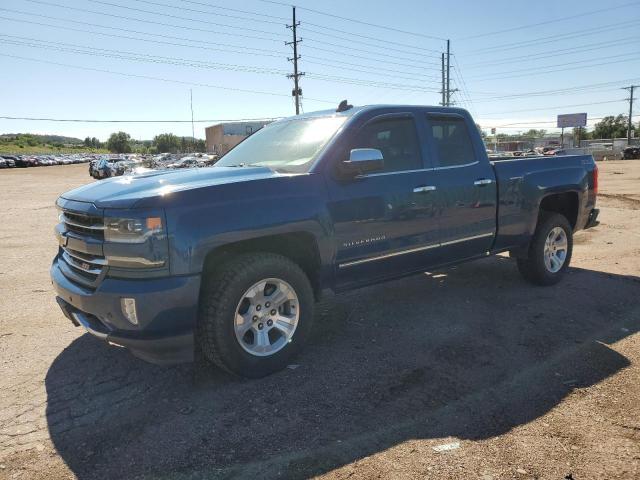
(501, 49)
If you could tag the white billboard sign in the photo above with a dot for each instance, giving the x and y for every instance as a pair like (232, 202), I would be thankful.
(572, 120)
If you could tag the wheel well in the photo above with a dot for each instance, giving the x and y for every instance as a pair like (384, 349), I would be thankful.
(299, 247)
(563, 203)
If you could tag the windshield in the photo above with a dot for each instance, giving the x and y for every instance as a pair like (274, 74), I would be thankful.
(288, 146)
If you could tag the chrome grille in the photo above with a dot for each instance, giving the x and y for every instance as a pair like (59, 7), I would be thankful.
(83, 224)
(85, 268)
(81, 267)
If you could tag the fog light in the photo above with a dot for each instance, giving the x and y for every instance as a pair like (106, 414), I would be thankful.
(129, 309)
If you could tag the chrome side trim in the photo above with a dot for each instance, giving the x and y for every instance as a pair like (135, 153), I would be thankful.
(424, 189)
(417, 170)
(413, 250)
(466, 239)
(398, 172)
(387, 255)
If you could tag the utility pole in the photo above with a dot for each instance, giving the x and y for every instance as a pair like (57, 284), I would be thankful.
(449, 91)
(297, 91)
(448, 73)
(630, 123)
(443, 91)
(193, 130)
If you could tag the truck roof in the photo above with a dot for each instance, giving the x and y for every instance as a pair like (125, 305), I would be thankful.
(354, 110)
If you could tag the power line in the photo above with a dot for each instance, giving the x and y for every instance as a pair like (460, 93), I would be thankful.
(132, 56)
(545, 72)
(555, 20)
(259, 52)
(79, 120)
(360, 42)
(549, 122)
(371, 52)
(149, 77)
(125, 55)
(183, 8)
(384, 27)
(548, 39)
(555, 107)
(552, 53)
(411, 78)
(177, 17)
(361, 57)
(577, 62)
(152, 22)
(579, 88)
(210, 5)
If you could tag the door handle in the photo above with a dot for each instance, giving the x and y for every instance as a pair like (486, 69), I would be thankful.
(424, 189)
(483, 181)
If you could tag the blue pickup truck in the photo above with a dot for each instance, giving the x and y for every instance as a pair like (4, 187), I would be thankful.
(229, 260)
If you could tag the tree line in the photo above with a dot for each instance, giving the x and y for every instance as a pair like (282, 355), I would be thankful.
(121, 142)
(612, 126)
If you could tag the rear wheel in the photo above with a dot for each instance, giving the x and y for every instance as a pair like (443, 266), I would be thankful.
(255, 314)
(549, 252)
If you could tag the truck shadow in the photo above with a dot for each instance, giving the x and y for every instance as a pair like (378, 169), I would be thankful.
(469, 352)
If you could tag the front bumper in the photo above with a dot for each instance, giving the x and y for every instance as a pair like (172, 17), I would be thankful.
(166, 309)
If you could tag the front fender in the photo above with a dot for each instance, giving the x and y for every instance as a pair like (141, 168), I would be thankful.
(239, 212)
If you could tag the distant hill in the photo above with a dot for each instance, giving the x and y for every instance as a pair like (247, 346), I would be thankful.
(41, 139)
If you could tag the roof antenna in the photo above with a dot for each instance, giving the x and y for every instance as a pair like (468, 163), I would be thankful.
(344, 106)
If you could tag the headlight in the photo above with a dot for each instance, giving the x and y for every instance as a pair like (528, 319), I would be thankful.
(135, 240)
(132, 230)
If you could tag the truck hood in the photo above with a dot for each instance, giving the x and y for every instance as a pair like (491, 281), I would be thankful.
(126, 191)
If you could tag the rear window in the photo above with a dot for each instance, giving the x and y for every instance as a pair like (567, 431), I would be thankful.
(452, 141)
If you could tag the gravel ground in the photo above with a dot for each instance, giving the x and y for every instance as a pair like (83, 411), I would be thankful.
(465, 373)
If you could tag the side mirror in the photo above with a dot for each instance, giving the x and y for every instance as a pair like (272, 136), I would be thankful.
(362, 161)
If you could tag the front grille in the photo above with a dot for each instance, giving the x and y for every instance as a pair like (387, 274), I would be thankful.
(81, 267)
(83, 224)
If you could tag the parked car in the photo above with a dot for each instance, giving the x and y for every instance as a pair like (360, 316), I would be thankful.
(3, 163)
(631, 153)
(184, 162)
(232, 257)
(16, 161)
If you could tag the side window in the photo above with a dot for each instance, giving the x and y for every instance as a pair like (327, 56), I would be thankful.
(452, 141)
(396, 138)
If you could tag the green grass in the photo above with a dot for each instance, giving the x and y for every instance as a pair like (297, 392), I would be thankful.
(13, 149)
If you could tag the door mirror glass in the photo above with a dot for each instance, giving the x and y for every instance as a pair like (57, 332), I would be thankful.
(362, 161)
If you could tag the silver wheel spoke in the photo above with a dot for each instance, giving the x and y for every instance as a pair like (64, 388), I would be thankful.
(261, 339)
(285, 324)
(272, 327)
(243, 323)
(280, 296)
(555, 249)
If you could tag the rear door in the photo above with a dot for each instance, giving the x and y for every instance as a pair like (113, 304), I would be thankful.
(466, 196)
(384, 221)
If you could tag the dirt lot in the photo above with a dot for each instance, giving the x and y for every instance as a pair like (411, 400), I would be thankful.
(525, 382)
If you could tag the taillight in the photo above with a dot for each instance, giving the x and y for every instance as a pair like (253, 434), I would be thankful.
(595, 178)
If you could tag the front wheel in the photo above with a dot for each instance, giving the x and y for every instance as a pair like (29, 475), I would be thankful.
(549, 251)
(255, 314)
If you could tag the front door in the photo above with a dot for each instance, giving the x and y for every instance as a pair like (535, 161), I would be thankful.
(384, 222)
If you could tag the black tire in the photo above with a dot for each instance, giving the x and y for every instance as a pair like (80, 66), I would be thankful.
(220, 295)
(533, 268)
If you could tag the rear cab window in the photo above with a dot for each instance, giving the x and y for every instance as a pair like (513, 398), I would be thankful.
(452, 142)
